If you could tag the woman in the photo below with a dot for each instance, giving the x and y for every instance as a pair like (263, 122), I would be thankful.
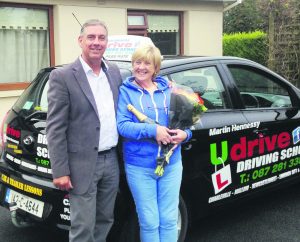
(156, 198)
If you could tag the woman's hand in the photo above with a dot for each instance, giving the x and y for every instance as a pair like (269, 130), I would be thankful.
(163, 135)
(177, 135)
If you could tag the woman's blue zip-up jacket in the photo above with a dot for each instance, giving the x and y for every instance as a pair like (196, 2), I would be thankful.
(139, 139)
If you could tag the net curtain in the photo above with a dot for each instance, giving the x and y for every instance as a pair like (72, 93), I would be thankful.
(24, 43)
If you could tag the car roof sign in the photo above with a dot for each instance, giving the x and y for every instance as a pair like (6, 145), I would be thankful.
(121, 47)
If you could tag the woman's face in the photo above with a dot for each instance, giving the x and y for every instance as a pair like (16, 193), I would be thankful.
(143, 70)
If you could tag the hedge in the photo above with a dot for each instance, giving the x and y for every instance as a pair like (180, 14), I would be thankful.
(251, 46)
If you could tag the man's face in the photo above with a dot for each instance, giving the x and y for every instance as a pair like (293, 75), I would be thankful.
(93, 43)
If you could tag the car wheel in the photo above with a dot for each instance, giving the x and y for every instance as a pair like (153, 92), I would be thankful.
(131, 231)
(182, 223)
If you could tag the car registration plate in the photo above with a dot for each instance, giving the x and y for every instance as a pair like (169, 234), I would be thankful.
(25, 203)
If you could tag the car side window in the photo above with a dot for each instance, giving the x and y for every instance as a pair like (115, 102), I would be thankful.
(206, 82)
(34, 98)
(258, 90)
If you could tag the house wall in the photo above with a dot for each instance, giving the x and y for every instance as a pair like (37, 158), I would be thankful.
(7, 99)
(203, 33)
(202, 24)
(66, 30)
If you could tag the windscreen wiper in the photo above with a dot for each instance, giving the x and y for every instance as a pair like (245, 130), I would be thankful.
(37, 115)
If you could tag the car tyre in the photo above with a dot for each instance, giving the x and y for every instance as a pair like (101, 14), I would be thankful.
(131, 231)
(183, 214)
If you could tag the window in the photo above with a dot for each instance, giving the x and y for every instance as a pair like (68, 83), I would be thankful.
(137, 24)
(24, 44)
(259, 91)
(163, 29)
(34, 98)
(206, 82)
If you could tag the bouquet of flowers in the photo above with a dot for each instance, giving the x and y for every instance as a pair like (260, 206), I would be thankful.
(186, 106)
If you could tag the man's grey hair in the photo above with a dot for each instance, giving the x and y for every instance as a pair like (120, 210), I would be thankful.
(93, 22)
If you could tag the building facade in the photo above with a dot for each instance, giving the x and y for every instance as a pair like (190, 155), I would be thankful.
(40, 33)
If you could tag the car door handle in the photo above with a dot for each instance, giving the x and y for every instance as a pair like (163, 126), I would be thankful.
(188, 145)
(260, 132)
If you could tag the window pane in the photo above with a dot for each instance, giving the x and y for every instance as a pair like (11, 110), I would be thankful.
(164, 32)
(167, 42)
(207, 83)
(163, 23)
(23, 18)
(24, 43)
(34, 98)
(136, 20)
(258, 90)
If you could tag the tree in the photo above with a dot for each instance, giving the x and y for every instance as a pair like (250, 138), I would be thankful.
(245, 17)
(284, 38)
(280, 19)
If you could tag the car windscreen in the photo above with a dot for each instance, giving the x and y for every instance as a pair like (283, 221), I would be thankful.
(34, 98)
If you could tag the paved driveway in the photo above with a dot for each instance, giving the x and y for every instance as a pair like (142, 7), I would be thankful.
(274, 217)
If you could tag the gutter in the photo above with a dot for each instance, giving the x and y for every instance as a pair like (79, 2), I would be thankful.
(232, 5)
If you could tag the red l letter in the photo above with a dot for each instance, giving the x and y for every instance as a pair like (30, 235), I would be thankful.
(219, 182)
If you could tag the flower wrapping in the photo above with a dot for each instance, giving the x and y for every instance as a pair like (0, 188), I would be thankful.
(185, 110)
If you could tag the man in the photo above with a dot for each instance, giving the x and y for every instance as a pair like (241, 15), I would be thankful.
(82, 135)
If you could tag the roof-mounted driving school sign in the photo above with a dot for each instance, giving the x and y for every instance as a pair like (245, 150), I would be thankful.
(121, 47)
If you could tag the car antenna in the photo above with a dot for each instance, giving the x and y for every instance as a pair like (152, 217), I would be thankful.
(77, 20)
(81, 27)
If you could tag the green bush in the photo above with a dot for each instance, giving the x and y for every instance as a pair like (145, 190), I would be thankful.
(251, 46)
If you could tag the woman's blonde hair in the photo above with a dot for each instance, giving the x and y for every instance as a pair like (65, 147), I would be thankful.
(148, 52)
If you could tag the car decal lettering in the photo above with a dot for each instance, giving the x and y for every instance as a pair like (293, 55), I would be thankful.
(21, 186)
(42, 139)
(13, 132)
(245, 148)
(214, 158)
(42, 152)
(30, 165)
(11, 146)
(279, 158)
(219, 197)
(11, 140)
(65, 215)
(256, 162)
(42, 162)
(18, 151)
(233, 128)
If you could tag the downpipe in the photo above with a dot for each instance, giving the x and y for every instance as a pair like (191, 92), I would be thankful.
(17, 220)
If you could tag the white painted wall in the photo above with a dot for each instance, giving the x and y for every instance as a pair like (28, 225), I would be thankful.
(67, 28)
(7, 99)
(203, 33)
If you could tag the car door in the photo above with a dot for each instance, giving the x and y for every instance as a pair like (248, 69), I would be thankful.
(209, 174)
(270, 153)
